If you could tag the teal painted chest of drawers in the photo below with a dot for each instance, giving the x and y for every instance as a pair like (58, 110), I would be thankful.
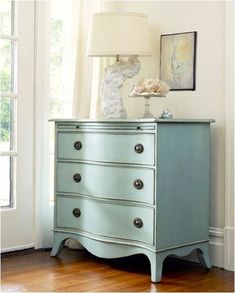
(125, 187)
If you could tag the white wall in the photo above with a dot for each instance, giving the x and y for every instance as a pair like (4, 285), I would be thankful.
(208, 101)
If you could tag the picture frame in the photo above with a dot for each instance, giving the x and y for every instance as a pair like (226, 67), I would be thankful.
(178, 60)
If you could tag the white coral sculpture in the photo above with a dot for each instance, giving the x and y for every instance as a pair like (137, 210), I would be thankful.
(150, 86)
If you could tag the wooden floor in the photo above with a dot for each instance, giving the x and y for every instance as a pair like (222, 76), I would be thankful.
(79, 271)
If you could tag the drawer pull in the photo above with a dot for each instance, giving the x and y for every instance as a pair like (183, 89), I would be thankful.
(138, 184)
(77, 212)
(139, 148)
(77, 177)
(77, 145)
(138, 223)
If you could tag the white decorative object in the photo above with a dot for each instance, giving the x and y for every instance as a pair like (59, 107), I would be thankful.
(148, 88)
(118, 34)
(166, 114)
(112, 104)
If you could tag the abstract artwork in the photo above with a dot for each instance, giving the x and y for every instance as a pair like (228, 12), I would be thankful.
(178, 60)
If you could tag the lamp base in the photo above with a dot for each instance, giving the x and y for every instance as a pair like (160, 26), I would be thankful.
(112, 104)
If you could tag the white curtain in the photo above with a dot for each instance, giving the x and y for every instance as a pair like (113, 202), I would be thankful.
(78, 67)
(83, 73)
(81, 80)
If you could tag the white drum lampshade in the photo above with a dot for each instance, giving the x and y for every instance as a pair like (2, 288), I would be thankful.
(119, 33)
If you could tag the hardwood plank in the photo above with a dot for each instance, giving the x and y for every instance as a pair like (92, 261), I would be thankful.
(79, 271)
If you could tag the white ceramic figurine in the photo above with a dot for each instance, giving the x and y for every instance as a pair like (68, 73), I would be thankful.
(112, 105)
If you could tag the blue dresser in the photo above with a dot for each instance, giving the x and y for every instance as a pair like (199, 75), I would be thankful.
(125, 187)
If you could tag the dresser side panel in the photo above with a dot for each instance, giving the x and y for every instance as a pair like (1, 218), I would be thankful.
(182, 214)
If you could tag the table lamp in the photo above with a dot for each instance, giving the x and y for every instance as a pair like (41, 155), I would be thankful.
(119, 34)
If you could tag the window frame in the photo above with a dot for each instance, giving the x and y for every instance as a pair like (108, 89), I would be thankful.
(13, 98)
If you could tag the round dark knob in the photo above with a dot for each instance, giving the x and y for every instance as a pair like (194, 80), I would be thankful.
(77, 177)
(77, 145)
(139, 148)
(138, 184)
(77, 212)
(138, 223)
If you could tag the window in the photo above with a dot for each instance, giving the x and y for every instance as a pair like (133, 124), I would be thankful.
(8, 101)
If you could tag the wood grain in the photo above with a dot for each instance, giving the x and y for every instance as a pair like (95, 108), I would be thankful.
(79, 271)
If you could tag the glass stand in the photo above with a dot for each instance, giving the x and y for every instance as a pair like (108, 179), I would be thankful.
(147, 112)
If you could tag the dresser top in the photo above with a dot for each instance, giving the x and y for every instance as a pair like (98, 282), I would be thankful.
(149, 120)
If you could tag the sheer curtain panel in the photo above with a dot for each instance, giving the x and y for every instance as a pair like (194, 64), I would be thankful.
(67, 85)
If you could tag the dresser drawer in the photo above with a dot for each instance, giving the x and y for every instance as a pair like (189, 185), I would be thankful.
(105, 219)
(131, 147)
(136, 184)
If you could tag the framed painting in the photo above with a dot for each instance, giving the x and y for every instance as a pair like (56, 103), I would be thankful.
(178, 60)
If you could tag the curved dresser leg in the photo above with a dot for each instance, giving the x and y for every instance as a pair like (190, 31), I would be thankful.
(156, 261)
(203, 256)
(58, 244)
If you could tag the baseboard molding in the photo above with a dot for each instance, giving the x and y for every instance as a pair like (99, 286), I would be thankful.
(16, 248)
(216, 246)
(229, 248)
(215, 232)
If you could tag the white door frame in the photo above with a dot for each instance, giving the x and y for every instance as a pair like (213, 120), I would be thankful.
(43, 207)
(229, 136)
(17, 223)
